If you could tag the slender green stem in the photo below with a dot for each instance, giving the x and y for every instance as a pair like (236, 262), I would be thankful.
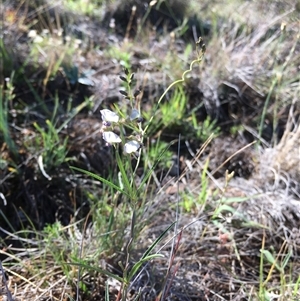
(264, 112)
(181, 80)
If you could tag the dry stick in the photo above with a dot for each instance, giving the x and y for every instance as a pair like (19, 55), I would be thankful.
(194, 160)
(166, 289)
(261, 275)
(119, 293)
(18, 275)
(129, 26)
(80, 255)
(202, 149)
(4, 280)
(49, 289)
(197, 156)
(229, 158)
(274, 263)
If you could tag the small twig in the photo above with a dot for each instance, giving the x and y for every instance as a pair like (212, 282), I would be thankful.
(174, 252)
(80, 255)
(4, 281)
(130, 23)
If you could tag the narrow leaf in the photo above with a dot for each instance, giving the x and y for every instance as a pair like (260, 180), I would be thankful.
(110, 184)
(271, 259)
(137, 265)
(97, 269)
(106, 291)
(129, 190)
(157, 241)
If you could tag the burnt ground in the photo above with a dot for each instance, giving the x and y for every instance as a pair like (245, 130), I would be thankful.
(219, 253)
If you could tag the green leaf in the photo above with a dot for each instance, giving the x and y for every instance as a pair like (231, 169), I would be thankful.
(137, 265)
(157, 241)
(97, 269)
(128, 187)
(106, 291)
(110, 184)
(223, 208)
(271, 259)
(286, 259)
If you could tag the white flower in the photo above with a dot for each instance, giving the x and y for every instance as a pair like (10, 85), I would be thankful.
(109, 116)
(32, 34)
(131, 147)
(134, 114)
(111, 137)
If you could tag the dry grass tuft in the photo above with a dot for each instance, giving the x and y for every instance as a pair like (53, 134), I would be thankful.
(281, 165)
(287, 152)
(244, 65)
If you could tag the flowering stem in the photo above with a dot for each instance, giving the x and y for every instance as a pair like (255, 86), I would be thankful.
(181, 80)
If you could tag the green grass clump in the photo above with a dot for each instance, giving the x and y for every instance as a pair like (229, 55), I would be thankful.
(6, 98)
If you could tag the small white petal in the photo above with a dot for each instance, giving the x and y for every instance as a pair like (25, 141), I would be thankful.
(134, 114)
(110, 116)
(131, 147)
(111, 137)
(38, 39)
(85, 81)
(32, 34)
